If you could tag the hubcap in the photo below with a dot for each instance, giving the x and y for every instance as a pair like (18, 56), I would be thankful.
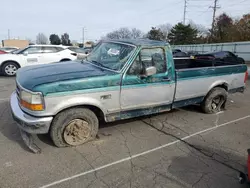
(10, 69)
(76, 132)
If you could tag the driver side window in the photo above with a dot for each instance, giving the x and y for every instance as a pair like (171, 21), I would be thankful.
(149, 57)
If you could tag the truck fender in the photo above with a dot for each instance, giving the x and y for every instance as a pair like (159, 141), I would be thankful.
(78, 101)
(219, 83)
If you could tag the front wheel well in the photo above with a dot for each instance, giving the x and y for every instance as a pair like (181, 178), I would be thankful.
(11, 61)
(98, 112)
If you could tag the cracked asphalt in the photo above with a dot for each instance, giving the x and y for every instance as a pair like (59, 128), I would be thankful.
(182, 148)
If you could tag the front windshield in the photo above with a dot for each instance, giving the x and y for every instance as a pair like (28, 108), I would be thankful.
(17, 51)
(111, 55)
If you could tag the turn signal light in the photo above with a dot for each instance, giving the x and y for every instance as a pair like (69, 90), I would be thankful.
(34, 107)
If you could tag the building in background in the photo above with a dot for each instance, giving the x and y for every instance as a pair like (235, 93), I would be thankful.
(15, 43)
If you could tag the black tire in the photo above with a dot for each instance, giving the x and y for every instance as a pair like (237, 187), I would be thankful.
(63, 119)
(209, 105)
(10, 64)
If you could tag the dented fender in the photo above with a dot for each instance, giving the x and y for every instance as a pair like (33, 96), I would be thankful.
(59, 104)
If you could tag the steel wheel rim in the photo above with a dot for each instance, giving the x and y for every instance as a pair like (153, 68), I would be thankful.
(76, 132)
(217, 102)
(10, 69)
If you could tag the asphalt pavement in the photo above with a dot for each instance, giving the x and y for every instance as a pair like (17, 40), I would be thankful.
(182, 148)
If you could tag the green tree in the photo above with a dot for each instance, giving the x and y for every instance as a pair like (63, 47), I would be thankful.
(156, 34)
(55, 39)
(183, 34)
(65, 39)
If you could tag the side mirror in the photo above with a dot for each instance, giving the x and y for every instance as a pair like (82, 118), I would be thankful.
(25, 53)
(150, 71)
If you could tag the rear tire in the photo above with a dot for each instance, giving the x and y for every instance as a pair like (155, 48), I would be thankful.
(214, 101)
(74, 127)
(9, 68)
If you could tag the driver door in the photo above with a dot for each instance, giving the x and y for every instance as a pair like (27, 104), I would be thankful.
(32, 55)
(142, 95)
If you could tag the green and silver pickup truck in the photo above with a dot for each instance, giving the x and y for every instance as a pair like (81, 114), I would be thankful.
(120, 79)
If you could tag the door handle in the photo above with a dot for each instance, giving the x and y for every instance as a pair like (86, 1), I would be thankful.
(166, 79)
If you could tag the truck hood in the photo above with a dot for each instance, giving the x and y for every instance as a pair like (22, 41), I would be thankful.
(32, 76)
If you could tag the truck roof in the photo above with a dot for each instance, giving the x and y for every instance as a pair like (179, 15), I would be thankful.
(49, 45)
(142, 42)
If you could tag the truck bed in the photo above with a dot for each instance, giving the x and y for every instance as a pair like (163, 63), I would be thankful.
(196, 77)
(190, 63)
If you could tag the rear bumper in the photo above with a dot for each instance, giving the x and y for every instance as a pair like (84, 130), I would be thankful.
(28, 123)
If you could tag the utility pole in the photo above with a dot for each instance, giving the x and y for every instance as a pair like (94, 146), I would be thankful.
(9, 34)
(185, 10)
(83, 37)
(215, 7)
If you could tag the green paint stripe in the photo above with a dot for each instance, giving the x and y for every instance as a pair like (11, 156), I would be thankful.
(84, 91)
(206, 76)
(147, 85)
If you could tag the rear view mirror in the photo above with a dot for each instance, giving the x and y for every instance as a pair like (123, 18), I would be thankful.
(150, 71)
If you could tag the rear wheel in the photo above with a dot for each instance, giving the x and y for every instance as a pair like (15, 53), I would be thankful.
(214, 101)
(74, 127)
(9, 69)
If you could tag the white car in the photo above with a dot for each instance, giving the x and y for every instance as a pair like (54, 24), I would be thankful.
(34, 55)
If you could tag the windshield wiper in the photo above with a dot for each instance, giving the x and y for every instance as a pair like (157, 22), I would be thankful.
(99, 64)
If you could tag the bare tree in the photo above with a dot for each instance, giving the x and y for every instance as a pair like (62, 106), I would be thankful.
(136, 33)
(41, 39)
(202, 30)
(124, 33)
(165, 29)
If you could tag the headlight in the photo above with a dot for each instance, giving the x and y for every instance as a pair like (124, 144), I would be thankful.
(31, 101)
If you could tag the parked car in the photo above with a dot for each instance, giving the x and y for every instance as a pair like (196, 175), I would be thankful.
(8, 49)
(81, 52)
(225, 56)
(3, 52)
(174, 51)
(120, 79)
(192, 53)
(180, 54)
(34, 55)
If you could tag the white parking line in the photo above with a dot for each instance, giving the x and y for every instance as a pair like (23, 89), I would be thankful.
(4, 99)
(141, 154)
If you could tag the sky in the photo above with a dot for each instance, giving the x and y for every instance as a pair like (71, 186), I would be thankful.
(26, 18)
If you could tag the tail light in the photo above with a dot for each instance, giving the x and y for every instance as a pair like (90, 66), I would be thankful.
(74, 54)
(246, 77)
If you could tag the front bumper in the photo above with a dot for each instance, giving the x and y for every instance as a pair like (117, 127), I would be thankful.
(28, 123)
